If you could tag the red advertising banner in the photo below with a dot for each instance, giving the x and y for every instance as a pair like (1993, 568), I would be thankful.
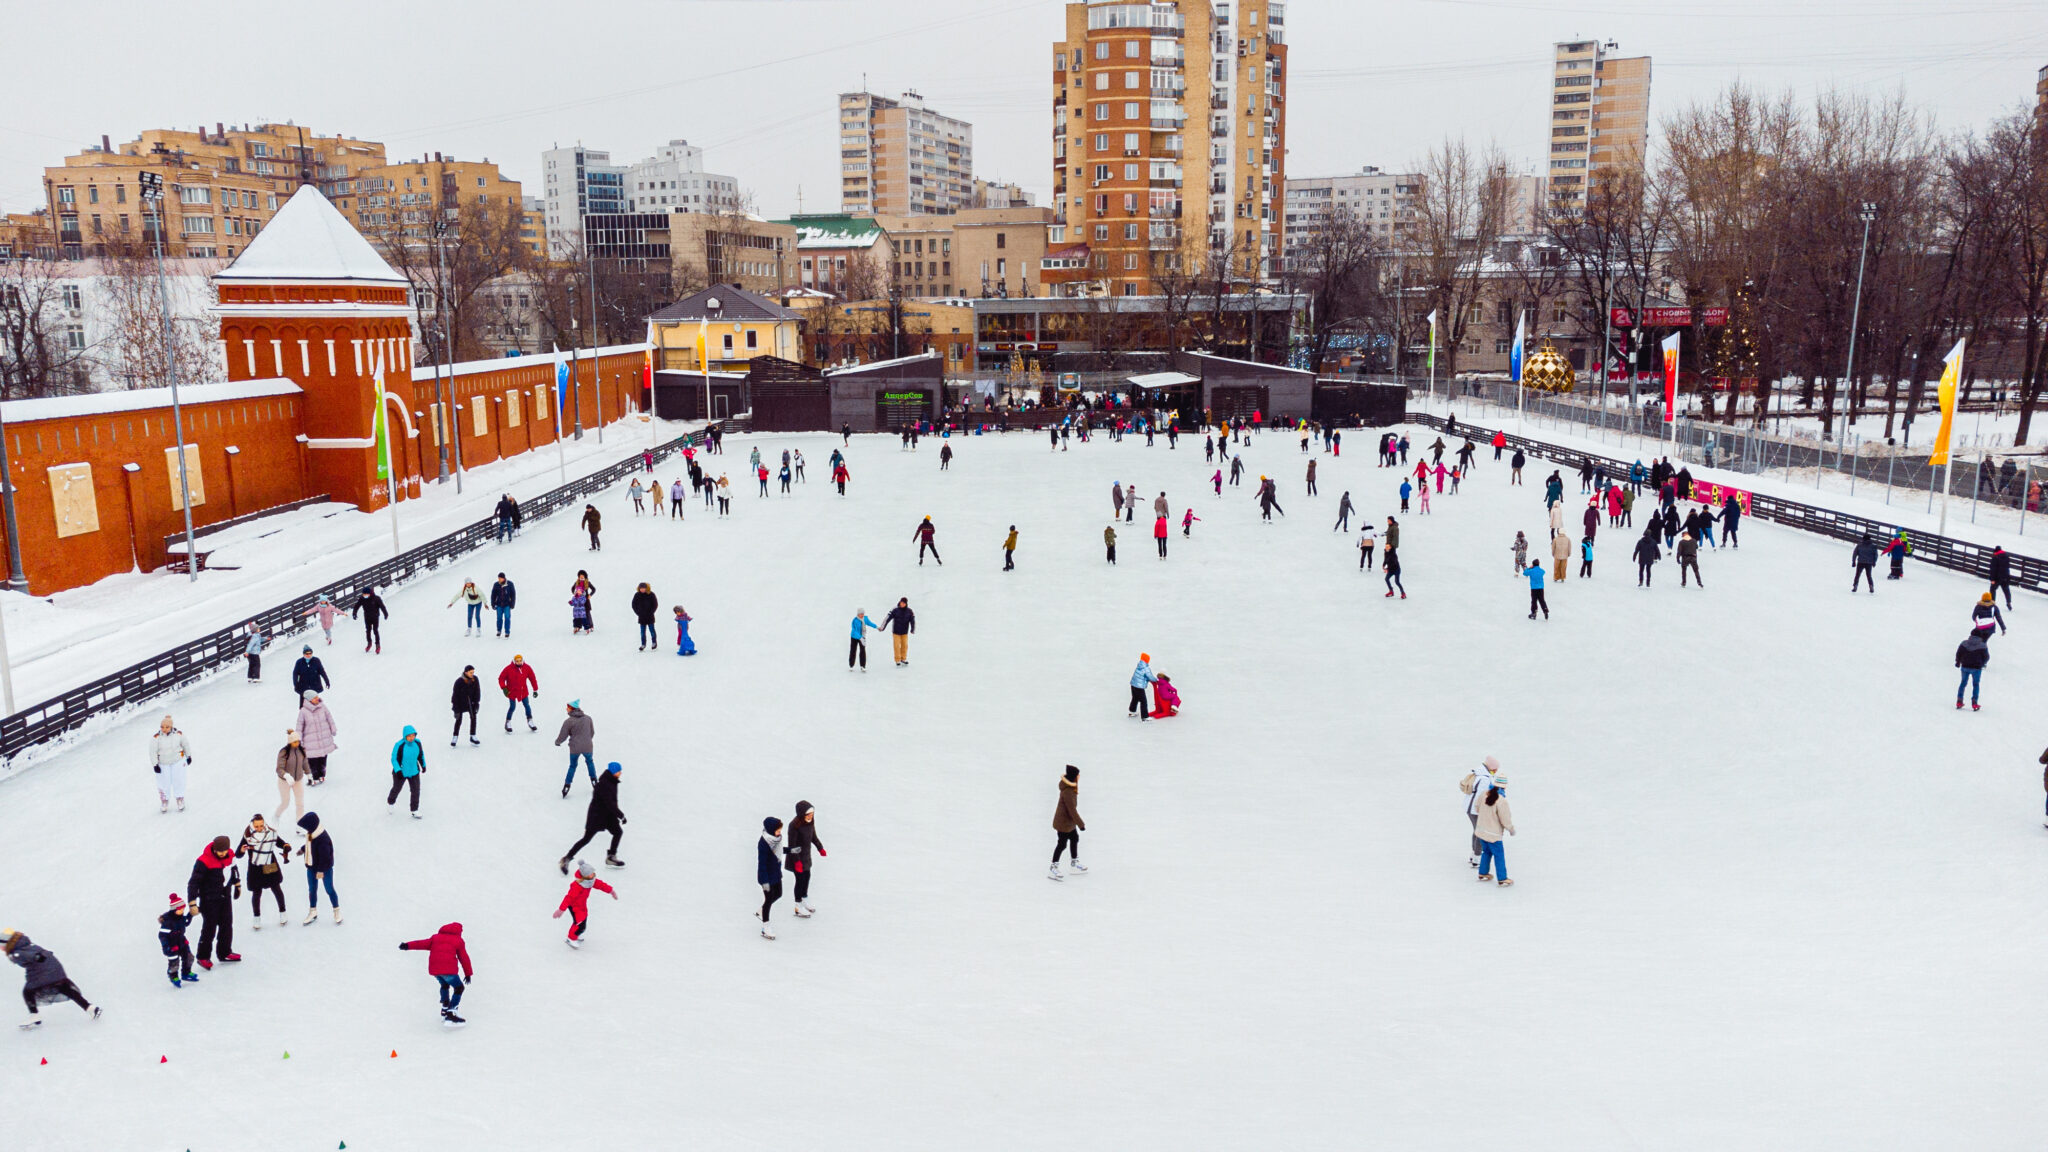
(1714, 495)
(1668, 317)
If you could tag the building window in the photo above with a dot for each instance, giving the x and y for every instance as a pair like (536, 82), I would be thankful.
(67, 195)
(728, 343)
(1001, 240)
(1101, 111)
(1102, 50)
(753, 338)
(1102, 231)
(1130, 111)
(1102, 81)
(1131, 79)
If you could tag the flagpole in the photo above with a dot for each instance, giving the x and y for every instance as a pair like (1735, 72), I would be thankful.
(561, 450)
(384, 446)
(1432, 364)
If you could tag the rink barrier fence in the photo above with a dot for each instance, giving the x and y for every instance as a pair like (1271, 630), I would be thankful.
(179, 667)
(1942, 551)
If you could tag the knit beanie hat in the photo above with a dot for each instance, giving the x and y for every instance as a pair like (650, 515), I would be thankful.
(1073, 773)
(220, 844)
(612, 768)
(584, 872)
(1492, 765)
(770, 824)
(177, 901)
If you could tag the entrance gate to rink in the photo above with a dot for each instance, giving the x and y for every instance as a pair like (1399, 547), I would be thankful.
(1942, 551)
(167, 672)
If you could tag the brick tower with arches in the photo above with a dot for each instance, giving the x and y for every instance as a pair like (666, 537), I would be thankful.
(311, 301)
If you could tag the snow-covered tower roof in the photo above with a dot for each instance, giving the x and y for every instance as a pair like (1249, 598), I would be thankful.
(309, 239)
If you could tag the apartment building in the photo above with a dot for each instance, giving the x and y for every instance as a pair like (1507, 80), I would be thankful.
(731, 248)
(1599, 117)
(533, 225)
(1383, 201)
(900, 158)
(989, 194)
(577, 182)
(1134, 179)
(674, 180)
(220, 187)
(406, 199)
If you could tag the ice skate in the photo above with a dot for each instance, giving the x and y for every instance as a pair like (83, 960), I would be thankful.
(450, 1019)
(1076, 866)
(256, 923)
(1976, 707)
(337, 915)
(206, 964)
(181, 803)
(414, 815)
(163, 805)
(1054, 872)
(767, 933)
(573, 942)
(565, 787)
(800, 911)
(611, 861)
(806, 906)
(1505, 883)
(231, 958)
(532, 727)
(508, 726)
(451, 741)
(476, 742)
(312, 914)
(280, 918)
(1483, 877)
(33, 1023)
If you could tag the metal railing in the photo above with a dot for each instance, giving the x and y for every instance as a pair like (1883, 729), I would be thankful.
(168, 671)
(1942, 551)
(1984, 472)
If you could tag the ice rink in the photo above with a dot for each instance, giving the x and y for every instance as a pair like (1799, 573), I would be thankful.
(1773, 891)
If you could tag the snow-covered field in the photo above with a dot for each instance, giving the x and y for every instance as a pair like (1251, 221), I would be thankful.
(1772, 890)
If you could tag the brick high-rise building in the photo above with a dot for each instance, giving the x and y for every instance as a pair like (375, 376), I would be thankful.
(1599, 117)
(1170, 139)
(900, 158)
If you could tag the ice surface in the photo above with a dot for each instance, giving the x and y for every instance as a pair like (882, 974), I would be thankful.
(1773, 891)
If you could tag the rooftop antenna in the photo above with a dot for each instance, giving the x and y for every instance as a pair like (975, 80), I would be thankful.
(799, 199)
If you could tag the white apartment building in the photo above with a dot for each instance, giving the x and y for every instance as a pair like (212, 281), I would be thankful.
(900, 158)
(1384, 201)
(577, 182)
(674, 180)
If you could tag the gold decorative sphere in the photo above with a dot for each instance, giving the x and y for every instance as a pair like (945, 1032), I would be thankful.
(1548, 371)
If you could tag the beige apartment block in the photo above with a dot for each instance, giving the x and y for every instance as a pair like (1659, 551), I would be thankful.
(1599, 117)
(406, 199)
(985, 252)
(731, 248)
(1169, 139)
(900, 158)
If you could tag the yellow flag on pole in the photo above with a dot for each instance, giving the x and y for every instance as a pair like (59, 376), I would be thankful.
(1951, 379)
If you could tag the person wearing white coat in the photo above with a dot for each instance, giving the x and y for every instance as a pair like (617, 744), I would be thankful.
(169, 757)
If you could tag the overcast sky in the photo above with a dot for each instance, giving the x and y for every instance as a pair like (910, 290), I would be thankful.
(754, 81)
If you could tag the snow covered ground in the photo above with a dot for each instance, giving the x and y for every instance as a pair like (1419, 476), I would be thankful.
(1773, 891)
(59, 642)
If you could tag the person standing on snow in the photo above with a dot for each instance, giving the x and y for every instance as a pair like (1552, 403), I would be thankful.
(446, 953)
(1494, 820)
(2001, 570)
(504, 597)
(325, 610)
(675, 501)
(291, 775)
(466, 699)
(1109, 542)
(1406, 490)
(169, 758)
(577, 901)
(644, 605)
(1986, 616)
(371, 607)
(318, 852)
(1591, 517)
(945, 457)
(1010, 549)
(579, 730)
(1689, 561)
(44, 979)
(506, 512)
(684, 645)
(857, 645)
(252, 648)
(1898, 550)
(923, 534)
(1646, 556)
(803, 836)
(1141, 677)
(637, 495)
(582, 604)
(1731, 516)
(316, 735)
(1343, 523)
(1521, 550)
(1561, 553)
(768, 871)
(1475, 786)
(521, 688)
(603, 815)
(1515, 463)
(1971, 656)
(266, 854)
(170, 936)
(1862, 564)
(215, 884)
(902, 623)
(1067, 824)
(1187, 522)
(592, 522)
(1311, 480)
(1159, 535)
(472, 608)
(308, 674)
(408, 761)
(1367, 538)
(1586, 558)
(1535, 574)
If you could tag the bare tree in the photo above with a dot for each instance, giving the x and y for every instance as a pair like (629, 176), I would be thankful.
(1339, 267)
(38, 354)
(133, 351)
(1458, 221)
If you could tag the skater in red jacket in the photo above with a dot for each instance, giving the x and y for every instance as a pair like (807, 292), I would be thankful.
(577, 900)
(1166, 699)
(445, 952)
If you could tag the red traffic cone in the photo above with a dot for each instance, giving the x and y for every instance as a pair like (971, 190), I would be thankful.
(163, 1059)
(46, 1059)
(394, 1053)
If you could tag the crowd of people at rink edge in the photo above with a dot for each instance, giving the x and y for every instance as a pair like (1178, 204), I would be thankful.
(228, 868)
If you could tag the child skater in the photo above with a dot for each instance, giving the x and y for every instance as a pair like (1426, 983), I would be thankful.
(577, 900)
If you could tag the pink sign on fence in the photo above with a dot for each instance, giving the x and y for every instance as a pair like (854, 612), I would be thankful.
(1715, 495)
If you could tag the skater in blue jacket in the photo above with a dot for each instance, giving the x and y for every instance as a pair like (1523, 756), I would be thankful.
(1142, 676)
(684, 645)
(857, 647)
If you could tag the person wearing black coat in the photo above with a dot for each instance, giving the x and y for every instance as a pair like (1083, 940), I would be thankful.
(803, 836)
(1591, 520)
(44, 978)
(466, 698)
(645, 604)
(170, 936)
(603, 815)
(1864, 562)
(1646, 555)
(507, 513)
(215, 885)
(504, 597)
(2001, 571)
(370, 607)
(318, 852)
(1971, 656)
(768, 870)
(1670, 526)
(1731, 518)
(309, 674)
(1684, 478)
